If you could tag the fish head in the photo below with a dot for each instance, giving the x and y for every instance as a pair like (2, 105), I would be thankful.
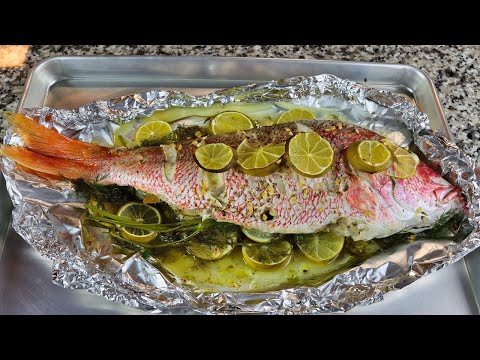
(430, 188)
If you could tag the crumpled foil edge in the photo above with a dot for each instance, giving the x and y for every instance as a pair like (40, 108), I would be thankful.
(367, 283)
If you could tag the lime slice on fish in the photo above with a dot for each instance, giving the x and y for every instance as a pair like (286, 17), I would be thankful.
(369, 156)
(251, 157)
(257, 235)
(153, 131)
(294, 115)
(214, 157)
(320, 247)
(268, 170)
(405, 162)
(229, 121)
(267, 256)
(143, 214)
(310, 154)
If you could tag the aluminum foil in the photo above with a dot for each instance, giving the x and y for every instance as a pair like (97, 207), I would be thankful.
(46, 212)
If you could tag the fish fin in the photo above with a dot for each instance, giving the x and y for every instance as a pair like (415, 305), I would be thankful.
(50, 143)
(64, 168)
(39, 173)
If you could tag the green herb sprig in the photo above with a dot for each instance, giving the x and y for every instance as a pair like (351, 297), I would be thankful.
(193, 226)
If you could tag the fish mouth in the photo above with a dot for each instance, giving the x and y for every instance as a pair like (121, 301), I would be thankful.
(446, 195)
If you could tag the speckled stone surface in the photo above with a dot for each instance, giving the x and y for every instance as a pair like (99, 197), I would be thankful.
(453, 69)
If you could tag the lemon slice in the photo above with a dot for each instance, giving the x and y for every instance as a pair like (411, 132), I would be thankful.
(143, 214)
(257, 236)
(294, 115)
(153, 131)
(267, 256)
(310, 154)
(405, 162)
(259, 161)
(229, 121)
(214, 157)
(369, 156)
(320, 247)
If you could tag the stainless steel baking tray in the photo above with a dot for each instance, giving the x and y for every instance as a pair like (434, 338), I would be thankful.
(71, 81)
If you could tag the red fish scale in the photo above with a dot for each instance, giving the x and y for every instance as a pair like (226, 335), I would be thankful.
(185, 184)
(133, 168)
(294, 208)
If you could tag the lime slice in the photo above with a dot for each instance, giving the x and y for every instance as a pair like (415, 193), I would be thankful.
(294, 115)
(405, 162)
(124, 135)
(119, 141)
(215, 243)
(257, 236)
(143, 214)
(267, 256)
(310, 154)
(209, 251)
(214, 157)
(268, 170)
(153, 131)
(229, 121)
(369, 156)
(251, 157)
(320, 247)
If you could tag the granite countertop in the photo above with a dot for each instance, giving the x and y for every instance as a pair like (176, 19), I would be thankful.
(453, 69)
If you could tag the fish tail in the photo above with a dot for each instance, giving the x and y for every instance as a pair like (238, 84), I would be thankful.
(50, 143)
(57, 167)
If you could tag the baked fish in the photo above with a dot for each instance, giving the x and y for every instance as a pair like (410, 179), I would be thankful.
(356, 204)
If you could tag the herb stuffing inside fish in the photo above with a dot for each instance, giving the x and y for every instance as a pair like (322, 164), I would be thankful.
(352, 203)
